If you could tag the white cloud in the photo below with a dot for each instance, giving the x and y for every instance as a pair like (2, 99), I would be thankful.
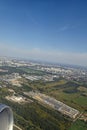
(66, 27)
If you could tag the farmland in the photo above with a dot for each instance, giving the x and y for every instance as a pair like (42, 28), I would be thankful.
(37, 115)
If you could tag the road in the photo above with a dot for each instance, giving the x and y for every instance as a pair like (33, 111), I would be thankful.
(17, 127)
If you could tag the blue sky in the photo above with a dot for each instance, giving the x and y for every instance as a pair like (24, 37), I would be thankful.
(50, 30)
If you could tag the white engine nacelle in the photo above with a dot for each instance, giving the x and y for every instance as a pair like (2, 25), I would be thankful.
(6, 117)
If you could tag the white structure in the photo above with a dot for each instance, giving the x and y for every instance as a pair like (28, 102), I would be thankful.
(6, 118)
(57, 105)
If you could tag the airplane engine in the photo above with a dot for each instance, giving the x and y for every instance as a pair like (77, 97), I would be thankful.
(6, 117)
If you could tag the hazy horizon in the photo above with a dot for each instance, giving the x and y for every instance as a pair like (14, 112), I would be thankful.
(53, 31)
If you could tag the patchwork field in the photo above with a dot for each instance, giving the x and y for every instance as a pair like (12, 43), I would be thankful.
(36, 116)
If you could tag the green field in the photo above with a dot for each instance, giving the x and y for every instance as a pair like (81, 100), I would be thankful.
(35, 116)
(15, 128)
(32, 71)
(79, 125)
(65, 91)
(62, 90)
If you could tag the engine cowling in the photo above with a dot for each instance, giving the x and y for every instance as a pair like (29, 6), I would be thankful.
(6, 117)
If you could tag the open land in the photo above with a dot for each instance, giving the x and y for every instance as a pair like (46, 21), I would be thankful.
(57, 105)
(45, 97)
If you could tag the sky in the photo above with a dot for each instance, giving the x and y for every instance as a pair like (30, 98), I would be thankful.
(46, 30)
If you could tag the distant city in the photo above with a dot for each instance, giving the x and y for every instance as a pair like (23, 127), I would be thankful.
(68, 72)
